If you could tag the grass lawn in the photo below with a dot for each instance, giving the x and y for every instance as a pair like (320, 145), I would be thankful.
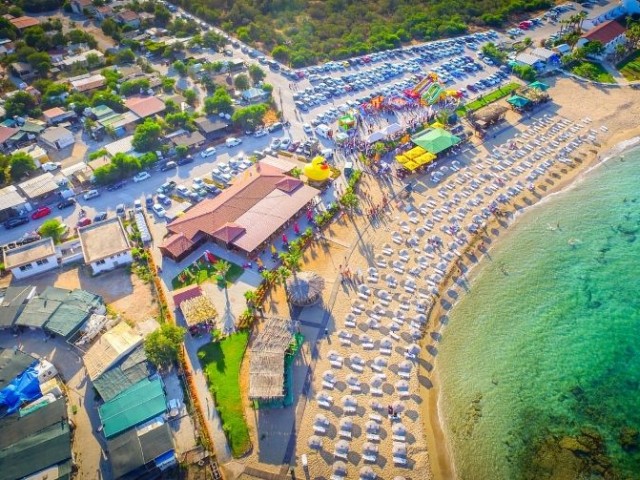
(221, 364)
(203, 271)
(489, 98)
(592, 71)
(630, 68)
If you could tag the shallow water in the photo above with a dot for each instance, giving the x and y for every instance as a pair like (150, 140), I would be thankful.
(546, 345)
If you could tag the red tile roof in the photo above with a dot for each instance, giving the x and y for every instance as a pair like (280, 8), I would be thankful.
(176, 245)
(605, 33)
(186, 293)
(24, 22)
(144, 106)
(6, 133)
(247, 212)
(53, 112)
(127, 15)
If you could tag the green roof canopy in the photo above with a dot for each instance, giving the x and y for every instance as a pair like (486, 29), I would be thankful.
(518, 101)
(436, 140)
(539, 86)
(139, 403)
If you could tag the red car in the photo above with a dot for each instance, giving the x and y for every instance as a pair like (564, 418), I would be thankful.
(84, 222)
(40, 212)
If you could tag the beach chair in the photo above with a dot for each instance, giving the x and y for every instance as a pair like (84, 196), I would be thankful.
(399, 460)
(336, 363)
(319, 429)
(337, 476)
(327, 384)
(350, 409)
(404, 394)
(399, 438)
(370, 457)
(374, 437)
(345, 342)
(350, 323)
(357, 368)
(368, 345)
(355, 388)
(385, 351)
(394, 335)
(339, 454)
(345, 434)
(324, 404)
(375, 417)
(376, 392)
(388, 251)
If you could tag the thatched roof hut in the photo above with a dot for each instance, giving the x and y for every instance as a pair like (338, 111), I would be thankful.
(198, 310)
(266, 367)
(305, 288)
(489, 115)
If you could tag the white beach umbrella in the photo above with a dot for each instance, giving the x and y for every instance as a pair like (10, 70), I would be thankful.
(399, 429)
(323, 397)
(376, 381)
(349, 401)
(356, 359)
(333, 355)
(342, 446)
(369, 447)
(415, 333)
(405, 366)
(346, 423)
(364, 338)
(398, 406)
(399, 449)
(413, 348)
(367, 473)
(402, 385)
(315, 442)
(321, 419)
(352, 380)
(380, 361)
(386, 342)
(339, 468)
(372, 427)
(328, 376)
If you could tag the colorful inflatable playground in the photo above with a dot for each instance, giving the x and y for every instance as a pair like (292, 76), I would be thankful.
(430, 91)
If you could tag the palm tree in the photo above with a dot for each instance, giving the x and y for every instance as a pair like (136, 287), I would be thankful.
(268, 275)
(221, 267)
(620, 51)
(581, 18)
(291, 260)
(252, 298)
(282, 274)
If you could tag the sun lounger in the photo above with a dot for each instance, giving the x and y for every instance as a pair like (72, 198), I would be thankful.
(350, 323)
(337, 476)
(399, 461)
(345, 342)
(345, 434)
(324, 404)
(375, 417)
(370, 458)
(394, 335)
(319, 429)
(374, 437)
(327, 384)
(355, 388)
(350, 409)
(336, 363)
(376, 391)
(404, 394)
(399, 438)
(342, 455)
(385, 351)
(376, 368)
(367, 345)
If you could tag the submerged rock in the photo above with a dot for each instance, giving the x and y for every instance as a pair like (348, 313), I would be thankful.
(629, 439)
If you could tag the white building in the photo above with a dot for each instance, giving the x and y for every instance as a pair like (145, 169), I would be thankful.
(31, 259)
(105, 245)
(610, 34)
(57, 137)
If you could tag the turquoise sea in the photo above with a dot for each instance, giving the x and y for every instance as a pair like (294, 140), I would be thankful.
(539, 363)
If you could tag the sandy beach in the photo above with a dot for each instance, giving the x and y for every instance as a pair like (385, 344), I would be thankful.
(405, 269)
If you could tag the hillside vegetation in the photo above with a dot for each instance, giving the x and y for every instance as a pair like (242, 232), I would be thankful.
(303, 32)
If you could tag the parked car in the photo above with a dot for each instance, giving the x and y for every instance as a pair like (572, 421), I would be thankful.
(100, 217)
(183, 191)
(91, 194)
(159, 210)
(275, 127)
(117, 185)
(69, 202)
(40, 212)
(163, 199)
(168, 166)
(209, 152)
(83, 222)
(15, 222)
(148, 200)
(185, 160)
(137, 205)
(121, 209)
(260, 133)
(141, 176)
(167, 187)
(51, 166)
(232, 142)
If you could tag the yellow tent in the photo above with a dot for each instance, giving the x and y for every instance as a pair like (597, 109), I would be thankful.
(437, 125)
(425, 158)
(415, 152)
(411, 165)
(402, 159)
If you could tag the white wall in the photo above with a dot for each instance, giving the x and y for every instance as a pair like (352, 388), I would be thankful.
(112, 262)
(50, 263)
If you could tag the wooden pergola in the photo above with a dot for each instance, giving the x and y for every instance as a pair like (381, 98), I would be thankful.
(266, 367)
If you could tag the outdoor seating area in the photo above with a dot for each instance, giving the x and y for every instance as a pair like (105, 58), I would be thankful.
(204, 269)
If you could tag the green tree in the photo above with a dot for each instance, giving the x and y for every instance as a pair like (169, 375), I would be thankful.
(256, 73)
(281, 54)
(190, 96)
(162, 346)
(180, 68)
(219, 102)
(40, 62)
(594, 48)
(93, 61)
(222, 268)
(52, 228)
(20, 104)
(135, 86)
(125, 57)
(161, 14)
(291, 260)
(21, 163)
(182, 151)
(147, 135)
(249, 117)
(168, 84)
(111, 28)
(241, 82)
(350, 200)
(525, 72)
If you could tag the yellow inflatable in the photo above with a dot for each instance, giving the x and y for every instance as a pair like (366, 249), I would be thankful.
(317, 170)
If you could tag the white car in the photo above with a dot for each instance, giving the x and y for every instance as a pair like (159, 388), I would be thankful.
(307, 128)
(51, 166)
(159, 210)
(285, 143)
(198, 181)
(260, 133)
(183, 191)
(91, 194)
(224, 167)
(232, 142)
(275, 143)
(209, 152)
(139, 177)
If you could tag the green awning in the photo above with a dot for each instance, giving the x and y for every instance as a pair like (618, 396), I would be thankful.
(436, 140)
(539, 86)
(137, 404)
(518, 101)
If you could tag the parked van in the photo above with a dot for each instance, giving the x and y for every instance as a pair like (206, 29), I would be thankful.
(323, 130)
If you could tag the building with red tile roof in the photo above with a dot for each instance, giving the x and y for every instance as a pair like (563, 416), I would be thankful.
(145, 107)
(610, 34)
(243, 217)
(24, 22)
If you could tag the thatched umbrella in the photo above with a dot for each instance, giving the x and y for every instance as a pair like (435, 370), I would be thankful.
(305, 288)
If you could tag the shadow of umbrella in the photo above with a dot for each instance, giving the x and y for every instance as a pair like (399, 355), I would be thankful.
(228, 318)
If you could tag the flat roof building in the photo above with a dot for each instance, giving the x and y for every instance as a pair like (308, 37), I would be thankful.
(31, 259)
(105, 245)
